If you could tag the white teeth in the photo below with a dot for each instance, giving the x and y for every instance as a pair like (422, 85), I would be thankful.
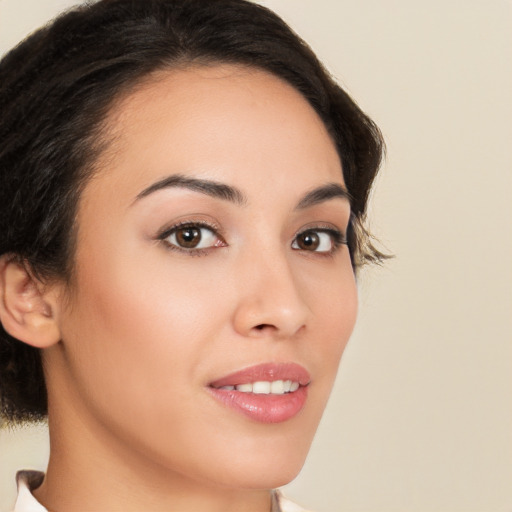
(245, 388)
(228, 388)
(276, 387)
(261, 388)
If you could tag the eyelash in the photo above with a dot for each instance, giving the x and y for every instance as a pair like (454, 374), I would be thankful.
(338, 239)
(191, 224)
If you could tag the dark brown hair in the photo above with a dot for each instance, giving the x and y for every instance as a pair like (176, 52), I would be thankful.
(56, 89)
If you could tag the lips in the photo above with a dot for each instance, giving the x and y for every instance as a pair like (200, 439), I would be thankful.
(265, 372)
(266, 393)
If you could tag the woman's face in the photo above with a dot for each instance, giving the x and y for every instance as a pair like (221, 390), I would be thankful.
(210, 256)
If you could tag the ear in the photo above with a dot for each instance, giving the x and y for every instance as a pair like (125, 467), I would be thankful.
(28, 308)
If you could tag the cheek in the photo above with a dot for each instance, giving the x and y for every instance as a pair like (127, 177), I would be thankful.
(335, 313)
(136, 343)
(135, 334)
(333, 301)
(342, 311)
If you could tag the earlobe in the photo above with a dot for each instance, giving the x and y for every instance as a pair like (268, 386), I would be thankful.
(28, 309)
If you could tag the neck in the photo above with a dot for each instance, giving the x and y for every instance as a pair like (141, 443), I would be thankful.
(92, 469)
(84, 476)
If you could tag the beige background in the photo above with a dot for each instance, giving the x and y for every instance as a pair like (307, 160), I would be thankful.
(421, 417)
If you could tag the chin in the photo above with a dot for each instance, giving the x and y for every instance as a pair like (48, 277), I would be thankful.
(266, 469)
(274, 475)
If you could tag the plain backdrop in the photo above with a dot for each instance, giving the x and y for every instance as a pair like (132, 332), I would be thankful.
(421, 416)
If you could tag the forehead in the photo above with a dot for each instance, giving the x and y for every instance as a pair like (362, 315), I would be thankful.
(234, 124)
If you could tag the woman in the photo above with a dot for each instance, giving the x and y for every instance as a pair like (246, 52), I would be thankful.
(182, 205)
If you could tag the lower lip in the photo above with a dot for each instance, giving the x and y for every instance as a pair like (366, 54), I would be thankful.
(263, 408)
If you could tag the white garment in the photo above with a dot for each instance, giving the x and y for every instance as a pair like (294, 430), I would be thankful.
(29, 480)
(26, 481)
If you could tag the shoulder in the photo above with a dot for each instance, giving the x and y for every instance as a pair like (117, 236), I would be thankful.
(27, 481)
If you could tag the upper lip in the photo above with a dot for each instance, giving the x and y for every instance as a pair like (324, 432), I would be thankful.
(265, 372)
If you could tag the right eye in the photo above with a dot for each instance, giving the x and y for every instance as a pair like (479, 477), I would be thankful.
(192, 237)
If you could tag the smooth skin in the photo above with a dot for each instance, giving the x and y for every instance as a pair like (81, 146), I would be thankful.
(132, 343)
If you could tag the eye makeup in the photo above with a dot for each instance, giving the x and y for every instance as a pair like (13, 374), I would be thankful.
(192, 237)
(321, 241)
(197, 237)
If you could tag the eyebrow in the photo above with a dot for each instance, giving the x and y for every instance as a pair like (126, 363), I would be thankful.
(322, 194)
(208, 187)
(234, 195)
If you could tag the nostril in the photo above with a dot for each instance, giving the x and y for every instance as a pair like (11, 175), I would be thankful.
(260, 327)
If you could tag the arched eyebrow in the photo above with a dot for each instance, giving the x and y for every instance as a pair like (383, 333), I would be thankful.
(208, 187)
(235, 195)
(322, 194)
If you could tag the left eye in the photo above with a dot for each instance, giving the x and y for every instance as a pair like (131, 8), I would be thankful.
(192, 236)
(315, 240)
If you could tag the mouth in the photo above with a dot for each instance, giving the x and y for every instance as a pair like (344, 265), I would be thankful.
(263, 387)
(267, 393)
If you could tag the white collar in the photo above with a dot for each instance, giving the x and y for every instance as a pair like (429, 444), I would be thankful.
(26, 481)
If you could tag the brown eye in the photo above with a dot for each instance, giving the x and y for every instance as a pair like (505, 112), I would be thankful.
(318, 240)
(188, 237)
(308, 241)
(192, 237)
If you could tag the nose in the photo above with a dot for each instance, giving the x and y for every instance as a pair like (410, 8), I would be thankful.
(270, 303)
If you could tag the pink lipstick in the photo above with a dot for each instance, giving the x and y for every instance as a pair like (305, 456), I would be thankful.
(267, 393)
